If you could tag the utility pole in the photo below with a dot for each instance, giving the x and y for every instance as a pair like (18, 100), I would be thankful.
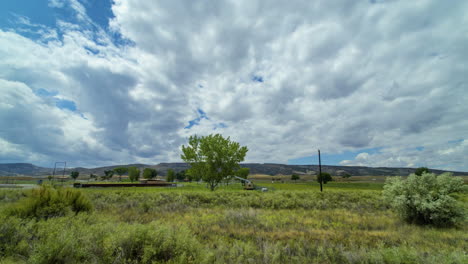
(320, 172)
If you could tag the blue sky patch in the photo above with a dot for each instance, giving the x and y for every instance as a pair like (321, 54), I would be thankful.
(220, 125)
(331, 159)
(66, 104)
(257, 78)
(60, 103)
(44, 93)
(99, 11)
(37, 11)
(196, 121)
(455, 141)
(39, 16)
(92, 51)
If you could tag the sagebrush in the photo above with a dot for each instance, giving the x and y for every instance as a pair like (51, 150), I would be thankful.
(427, 199)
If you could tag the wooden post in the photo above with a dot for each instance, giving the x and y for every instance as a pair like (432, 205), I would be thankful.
(320, 172)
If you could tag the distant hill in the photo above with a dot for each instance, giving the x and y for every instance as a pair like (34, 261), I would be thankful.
(27, 169)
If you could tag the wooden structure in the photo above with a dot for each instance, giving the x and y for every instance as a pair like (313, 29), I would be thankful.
(136, 184)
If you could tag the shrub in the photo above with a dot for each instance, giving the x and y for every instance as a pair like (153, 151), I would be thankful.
(14, 234)
(426, 199)
(325, 177)
(47, 202)
(295, 177)
(346, 175)
(421, 170)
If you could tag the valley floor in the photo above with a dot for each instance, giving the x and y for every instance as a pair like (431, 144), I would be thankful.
(291, 223)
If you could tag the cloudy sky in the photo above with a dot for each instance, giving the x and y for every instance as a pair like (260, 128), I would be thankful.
(102, 82)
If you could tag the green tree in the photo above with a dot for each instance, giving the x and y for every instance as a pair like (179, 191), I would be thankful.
(243, 173)
(170, 175)
(295, 177)
(180, 176)
(193, 175)
(92, 176)
(74, 175)
(346, 175)
(133, 174)
(149, 173)
(108, 174)
(421, 170)
(121, 171)
(50, 177)
(426, 199)
(325, 177)
(213, 157)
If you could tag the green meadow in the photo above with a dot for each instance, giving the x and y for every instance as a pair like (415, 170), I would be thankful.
(290, 223)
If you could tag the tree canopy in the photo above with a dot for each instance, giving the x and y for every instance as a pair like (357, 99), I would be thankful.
(295, 177)
(170, 175)
(108, 174)
(149, 173)
(325, 177)
(243, 173)
(213, 158)
(133, 174)
(421, 170)
(121, 171)
(74, 174)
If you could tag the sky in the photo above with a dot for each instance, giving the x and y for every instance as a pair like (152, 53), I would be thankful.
(379, 83)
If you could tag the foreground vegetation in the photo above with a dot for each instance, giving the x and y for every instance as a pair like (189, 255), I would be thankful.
(291, 223)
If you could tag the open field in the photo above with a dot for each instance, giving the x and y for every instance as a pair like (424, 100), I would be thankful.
(291, 223)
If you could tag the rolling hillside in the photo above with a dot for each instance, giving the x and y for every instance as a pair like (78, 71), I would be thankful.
(27, 169)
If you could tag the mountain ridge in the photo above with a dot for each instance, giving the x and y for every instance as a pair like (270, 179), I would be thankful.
(28, 169)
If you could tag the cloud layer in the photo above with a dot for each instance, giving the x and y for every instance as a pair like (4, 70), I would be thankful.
(282, 78)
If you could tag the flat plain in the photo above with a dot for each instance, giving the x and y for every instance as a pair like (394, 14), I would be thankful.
(290, 223)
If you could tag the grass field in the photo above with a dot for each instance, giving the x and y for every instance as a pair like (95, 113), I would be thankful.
(291, 223)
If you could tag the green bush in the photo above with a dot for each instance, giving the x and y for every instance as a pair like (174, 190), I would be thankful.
(324, 177)
(151, 243)
(14, 236)
(426, 199)
(89, 238)
(46, 202)
(419, 171)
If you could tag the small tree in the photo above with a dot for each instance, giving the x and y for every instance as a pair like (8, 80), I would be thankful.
(170, 175)
(92, 176)
(180, 176)
(346, 176)
(74, 175)
(149, 173)
(193, 175)
(295, 177)
(50, 177)
(121, 171)
(213, 157)
(421, 170)
(325, 177)
(108, 174)
(189, 177)
(426, 199)
(243, 173)
(133, 174)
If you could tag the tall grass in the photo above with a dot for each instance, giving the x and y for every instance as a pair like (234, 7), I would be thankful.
(47, 201)
(227, 226)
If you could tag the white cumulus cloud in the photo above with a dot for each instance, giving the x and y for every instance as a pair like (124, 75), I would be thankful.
(283, 78)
